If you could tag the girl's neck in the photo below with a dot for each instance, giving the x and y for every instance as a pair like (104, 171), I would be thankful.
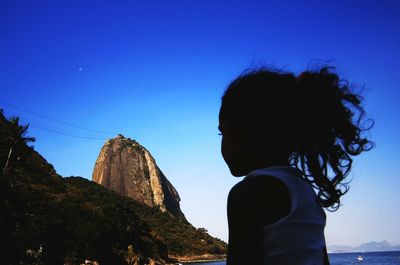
(254, 164)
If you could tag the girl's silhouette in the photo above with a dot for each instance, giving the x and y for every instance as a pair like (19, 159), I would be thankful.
(293, 138)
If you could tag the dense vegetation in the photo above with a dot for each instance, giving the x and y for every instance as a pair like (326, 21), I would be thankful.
(47, 219)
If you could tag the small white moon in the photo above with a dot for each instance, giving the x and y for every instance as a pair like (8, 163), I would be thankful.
(80, 69)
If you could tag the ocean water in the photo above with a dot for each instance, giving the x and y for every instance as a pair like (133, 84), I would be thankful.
(369, 258)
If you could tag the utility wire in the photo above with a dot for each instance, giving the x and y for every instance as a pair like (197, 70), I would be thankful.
(57, 120)
(65, 134)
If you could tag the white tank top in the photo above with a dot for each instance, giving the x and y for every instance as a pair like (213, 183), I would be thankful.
(298, 238)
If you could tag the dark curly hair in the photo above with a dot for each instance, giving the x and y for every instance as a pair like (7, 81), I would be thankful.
(314, 119)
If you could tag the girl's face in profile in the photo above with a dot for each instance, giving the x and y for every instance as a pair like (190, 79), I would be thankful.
(232, 149)
(242, 153)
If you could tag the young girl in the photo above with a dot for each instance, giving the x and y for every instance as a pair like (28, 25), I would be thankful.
(293, 138)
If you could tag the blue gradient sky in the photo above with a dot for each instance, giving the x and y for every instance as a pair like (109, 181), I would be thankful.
(155, 72)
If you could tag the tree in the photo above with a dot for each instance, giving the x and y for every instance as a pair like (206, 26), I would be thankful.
(17, 141)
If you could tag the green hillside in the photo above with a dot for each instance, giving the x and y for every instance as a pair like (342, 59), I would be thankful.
(47, 219)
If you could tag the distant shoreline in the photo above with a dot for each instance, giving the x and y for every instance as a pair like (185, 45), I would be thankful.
(199, 258)
(357, 252)
(202, 261)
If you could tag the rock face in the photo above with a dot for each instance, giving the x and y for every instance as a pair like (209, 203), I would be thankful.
(126, 167)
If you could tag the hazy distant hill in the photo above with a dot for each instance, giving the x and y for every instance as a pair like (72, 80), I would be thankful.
(47, 219)
(365, 247)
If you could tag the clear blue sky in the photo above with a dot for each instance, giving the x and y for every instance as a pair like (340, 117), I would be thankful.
(155, 71)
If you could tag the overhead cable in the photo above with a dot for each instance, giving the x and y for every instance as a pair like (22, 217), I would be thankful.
(56, 120)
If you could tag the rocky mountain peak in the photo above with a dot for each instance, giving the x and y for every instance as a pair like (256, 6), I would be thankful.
(128, 168)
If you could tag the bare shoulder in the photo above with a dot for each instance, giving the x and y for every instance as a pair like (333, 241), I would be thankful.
(262, 200)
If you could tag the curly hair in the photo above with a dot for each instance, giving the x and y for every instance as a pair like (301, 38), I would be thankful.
(318, 123)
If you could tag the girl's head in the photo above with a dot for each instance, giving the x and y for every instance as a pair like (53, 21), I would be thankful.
(312, 122)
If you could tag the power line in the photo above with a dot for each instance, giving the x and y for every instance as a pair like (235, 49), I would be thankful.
(66, 134)
(56, 120)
